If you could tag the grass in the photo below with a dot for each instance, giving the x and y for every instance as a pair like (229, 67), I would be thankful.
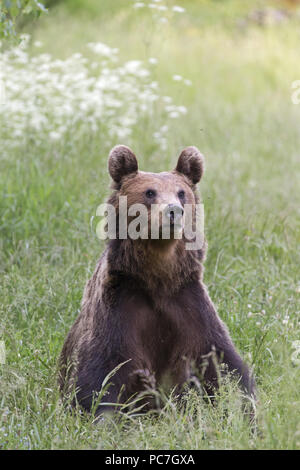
(241, 116)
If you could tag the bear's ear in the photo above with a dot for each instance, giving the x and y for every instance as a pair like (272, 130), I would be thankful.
(121, 162)
(191, 164)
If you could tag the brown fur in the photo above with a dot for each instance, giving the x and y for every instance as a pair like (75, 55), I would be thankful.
(146, 303)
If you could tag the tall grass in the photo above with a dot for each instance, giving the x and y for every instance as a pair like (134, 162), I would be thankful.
(240, 114)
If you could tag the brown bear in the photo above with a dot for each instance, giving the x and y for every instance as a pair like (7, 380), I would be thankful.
(146, 306)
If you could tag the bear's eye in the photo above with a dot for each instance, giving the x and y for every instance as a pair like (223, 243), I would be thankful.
(150, 193)
(181, 194)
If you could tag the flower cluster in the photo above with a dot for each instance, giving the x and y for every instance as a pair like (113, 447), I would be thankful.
(159, 8)
(47, 98)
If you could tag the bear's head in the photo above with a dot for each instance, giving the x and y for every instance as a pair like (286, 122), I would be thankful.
(163, 197)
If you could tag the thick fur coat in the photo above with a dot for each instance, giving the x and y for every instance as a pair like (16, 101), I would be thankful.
(146, 305)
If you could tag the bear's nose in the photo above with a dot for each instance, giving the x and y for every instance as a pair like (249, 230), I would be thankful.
(174, 213)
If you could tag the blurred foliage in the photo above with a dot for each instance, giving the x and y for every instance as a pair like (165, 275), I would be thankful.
(13, 10)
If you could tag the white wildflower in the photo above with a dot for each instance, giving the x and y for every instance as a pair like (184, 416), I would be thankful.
(174, 114)
(178, 9)
(162, 8)
(47, 98)
(54, 135)
(182, 109)
(102, 49)
(25, 38)
(296, 354)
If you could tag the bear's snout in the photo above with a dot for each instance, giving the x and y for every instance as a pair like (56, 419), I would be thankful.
(174, 213)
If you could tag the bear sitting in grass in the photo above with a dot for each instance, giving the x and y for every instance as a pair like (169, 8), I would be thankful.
(146, 306)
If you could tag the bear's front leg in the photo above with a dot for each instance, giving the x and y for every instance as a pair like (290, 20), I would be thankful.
(224, 352)
(119, 350)
(219, 348)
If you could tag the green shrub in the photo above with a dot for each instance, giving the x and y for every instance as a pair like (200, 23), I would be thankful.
(11, 11)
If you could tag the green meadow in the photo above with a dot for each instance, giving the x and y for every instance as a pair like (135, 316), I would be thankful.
(217, 75)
